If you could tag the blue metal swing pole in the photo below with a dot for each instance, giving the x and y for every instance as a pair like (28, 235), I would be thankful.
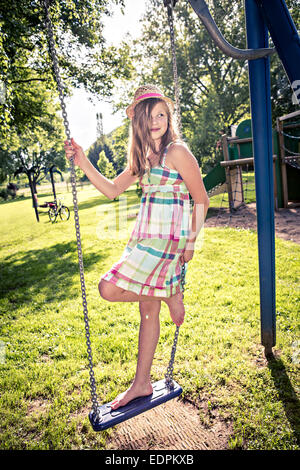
(259, 84)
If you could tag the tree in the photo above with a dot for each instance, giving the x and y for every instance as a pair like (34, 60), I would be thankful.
(281, 92)
(34, 146)
(118, 141)
(105, 166)
(30, 98)
(33, 164)
(213, 88)
(101, 144)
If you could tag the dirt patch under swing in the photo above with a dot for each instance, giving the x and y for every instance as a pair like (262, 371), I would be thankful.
(174, 425)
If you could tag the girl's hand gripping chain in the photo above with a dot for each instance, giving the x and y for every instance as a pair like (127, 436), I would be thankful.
(75, 151)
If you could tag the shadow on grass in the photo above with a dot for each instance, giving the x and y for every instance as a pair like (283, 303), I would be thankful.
(107, 205)
(20, 197)
(212, 212)
(44, 272)
(287, 394)
(131, 198)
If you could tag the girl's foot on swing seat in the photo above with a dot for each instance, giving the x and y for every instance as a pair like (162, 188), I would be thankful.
(134, 391)
(176, 307)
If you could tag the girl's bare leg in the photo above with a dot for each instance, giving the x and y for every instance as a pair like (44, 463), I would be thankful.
(113, 293)
(148, 339)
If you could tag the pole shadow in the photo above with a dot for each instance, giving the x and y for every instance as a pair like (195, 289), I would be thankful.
(287, 394)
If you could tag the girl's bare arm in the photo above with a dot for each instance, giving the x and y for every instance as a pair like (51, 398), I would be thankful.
(110, 188)
(187, 166)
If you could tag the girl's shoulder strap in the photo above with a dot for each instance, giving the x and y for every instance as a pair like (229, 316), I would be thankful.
(166, 150)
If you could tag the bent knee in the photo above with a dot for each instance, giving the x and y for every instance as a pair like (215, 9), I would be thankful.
(105, 289)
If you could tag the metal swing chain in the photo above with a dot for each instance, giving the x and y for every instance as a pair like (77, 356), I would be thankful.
(170, 4)
(49, 29)
(169, 374)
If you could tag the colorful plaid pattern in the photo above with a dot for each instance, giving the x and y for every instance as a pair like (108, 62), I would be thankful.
(150, 262)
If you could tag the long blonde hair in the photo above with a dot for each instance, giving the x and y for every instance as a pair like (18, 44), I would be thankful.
(140, 141)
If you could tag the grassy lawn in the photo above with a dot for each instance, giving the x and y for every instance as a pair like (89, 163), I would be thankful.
(44, 385)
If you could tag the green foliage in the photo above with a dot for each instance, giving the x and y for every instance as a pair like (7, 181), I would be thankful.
(4, 194)
(30, 106)
(34, 151)
(214, 88)
(114, 146)
(281, 91)
(101, 144)
(80, 175)
(105, 166)
(118, 140)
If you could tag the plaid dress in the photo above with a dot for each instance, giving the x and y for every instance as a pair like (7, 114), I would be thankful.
(150, 262)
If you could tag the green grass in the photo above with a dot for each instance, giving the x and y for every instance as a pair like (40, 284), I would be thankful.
(219, 362)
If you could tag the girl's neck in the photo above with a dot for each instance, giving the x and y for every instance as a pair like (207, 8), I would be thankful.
(156, 151)
(157, 146)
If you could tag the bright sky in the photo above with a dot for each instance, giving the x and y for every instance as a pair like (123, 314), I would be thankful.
(81, 112)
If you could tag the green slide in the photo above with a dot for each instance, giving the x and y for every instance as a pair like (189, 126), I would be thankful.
(215, 178)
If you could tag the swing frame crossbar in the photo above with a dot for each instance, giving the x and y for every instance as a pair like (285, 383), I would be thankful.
(107, 417)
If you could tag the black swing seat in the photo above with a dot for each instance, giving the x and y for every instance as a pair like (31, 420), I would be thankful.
(161, 394)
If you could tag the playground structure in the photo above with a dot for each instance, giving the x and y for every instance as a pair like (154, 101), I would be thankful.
(263, 17)
(227, 176)
(288, 150)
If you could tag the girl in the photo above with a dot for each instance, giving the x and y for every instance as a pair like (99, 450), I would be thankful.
(163, 237)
